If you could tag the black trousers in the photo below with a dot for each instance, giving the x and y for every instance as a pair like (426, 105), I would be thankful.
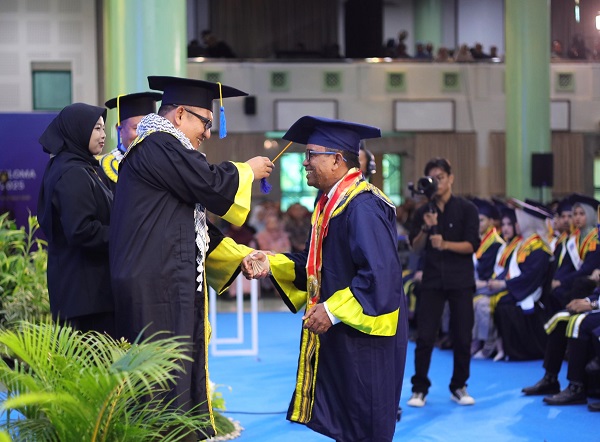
(429, 316)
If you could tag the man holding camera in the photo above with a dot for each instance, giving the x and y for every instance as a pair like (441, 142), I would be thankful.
(447, 229)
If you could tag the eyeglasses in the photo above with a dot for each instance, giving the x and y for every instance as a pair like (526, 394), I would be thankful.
(309, 153)
(206, 121)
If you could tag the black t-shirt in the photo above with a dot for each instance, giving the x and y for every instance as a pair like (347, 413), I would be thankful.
(445, 269)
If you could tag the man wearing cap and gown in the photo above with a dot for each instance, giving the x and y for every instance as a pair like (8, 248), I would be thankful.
(518, 315)
(131, 109)
(160, 237)
(354, 337)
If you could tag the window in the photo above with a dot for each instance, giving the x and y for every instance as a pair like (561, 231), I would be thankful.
(392, 177)
(51, 85)
(597, 178)
(293, 182)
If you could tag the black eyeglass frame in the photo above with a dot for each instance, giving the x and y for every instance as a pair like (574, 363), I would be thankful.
(308, 153)
(207, 122)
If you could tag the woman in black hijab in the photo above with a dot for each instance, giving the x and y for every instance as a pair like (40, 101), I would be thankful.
(74, 213)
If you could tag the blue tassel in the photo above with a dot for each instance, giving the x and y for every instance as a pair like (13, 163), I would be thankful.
(222, 124)
(265, 187)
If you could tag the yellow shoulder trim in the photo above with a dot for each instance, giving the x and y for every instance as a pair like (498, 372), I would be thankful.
(110, 166)
(239, 210)
(223, 264)
(344, 306)
(284, 274)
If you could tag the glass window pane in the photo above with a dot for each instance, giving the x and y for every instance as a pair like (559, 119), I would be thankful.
(597, 178)
(51, 90)
(392, 177)
(293, 182)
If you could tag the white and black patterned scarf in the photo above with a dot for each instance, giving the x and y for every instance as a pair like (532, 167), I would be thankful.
(155, 123)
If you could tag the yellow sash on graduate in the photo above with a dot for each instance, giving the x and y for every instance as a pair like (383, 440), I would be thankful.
(490, 237)
(309, 355)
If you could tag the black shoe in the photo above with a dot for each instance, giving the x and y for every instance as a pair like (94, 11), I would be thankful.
(594, 406)
(593, 367)
(572, 395)
(544, 387)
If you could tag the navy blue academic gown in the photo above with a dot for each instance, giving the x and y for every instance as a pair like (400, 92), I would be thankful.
(358, 363)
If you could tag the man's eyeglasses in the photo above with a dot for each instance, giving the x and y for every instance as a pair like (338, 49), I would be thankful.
(309, 153)
(206, 121)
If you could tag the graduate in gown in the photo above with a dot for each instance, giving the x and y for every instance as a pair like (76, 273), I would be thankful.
(161, 238)
(519, 314)
(354, 338)
(130, 109)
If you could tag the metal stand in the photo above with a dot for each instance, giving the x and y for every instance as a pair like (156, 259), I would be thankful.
(239, 339)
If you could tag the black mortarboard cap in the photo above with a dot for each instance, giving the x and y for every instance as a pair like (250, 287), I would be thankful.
(564, 205)
(187, 91)
(134, 105)
(334, 134)
(533, 208)
(486, 208)
(584, 199)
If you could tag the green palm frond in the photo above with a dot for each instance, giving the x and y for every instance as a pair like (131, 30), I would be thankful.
(73, 386)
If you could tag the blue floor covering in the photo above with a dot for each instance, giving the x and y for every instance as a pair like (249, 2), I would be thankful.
(257, 390)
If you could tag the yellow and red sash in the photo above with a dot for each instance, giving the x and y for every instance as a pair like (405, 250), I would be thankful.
(589, 243)
(534, 242)
(320, 225)
(508, 250)
(490, 237)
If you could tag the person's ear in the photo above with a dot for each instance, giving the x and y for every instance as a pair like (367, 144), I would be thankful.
(178, 116)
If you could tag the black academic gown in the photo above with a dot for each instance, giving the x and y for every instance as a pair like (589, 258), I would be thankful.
(358, 377)
(74, 211)
(153, 249)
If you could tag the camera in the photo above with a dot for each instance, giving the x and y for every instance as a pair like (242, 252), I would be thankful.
(425, 186)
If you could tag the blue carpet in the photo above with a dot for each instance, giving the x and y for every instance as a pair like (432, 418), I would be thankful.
(257, 392)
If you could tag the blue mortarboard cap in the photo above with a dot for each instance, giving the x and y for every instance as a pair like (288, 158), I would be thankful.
(533, 208)
(186, 91)
(486, 208)
(564, 205)
(577, 198)
(334, 134)
(134, 105)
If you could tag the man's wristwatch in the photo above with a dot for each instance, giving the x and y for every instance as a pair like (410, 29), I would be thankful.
(594, 305)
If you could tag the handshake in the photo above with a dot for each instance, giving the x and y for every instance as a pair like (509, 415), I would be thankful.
(256, 265)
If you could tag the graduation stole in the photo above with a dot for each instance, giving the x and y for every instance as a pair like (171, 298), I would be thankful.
(578, 249)
(508, 250)
(490, 237)
(320, 226)
(534, 242)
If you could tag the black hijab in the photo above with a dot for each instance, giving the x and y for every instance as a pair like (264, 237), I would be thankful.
(67, 139)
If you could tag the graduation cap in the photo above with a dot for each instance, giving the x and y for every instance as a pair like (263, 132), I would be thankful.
(486, 208)
(134, 105)
(334, 134)
(198, 93)
(577, 198)
(533, 208)
(564, 205)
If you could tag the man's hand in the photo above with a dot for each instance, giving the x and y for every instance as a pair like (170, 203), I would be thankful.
(316, 319)
(555, 283)
(595, 276)
(261, 167)
(256, 265)
(430, 219)
(437, 242)
(579, 306)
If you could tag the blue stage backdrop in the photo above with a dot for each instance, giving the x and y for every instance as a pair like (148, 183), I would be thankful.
(22, 161)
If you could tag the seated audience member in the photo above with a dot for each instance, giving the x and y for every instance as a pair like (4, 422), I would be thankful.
(562, 225)
(297, 226)
(518, 314)
(275, 239)
(464, 54)
(478, 54)
(580, 329)
(484, 330)
(485, 256)
(215, 48)
(556, 52)
(579, 257)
